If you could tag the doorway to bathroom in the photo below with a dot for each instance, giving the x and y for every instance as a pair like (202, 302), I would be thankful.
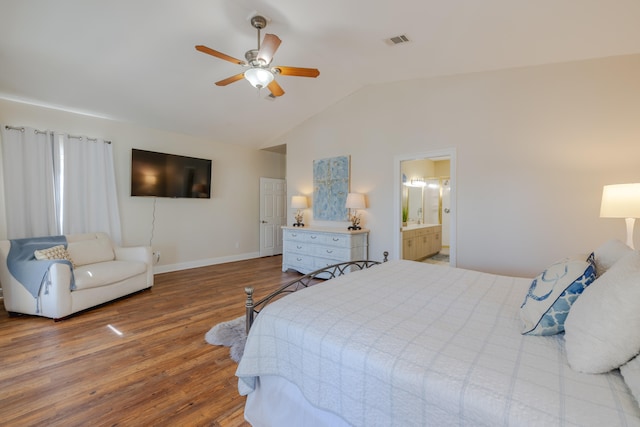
(426, 201)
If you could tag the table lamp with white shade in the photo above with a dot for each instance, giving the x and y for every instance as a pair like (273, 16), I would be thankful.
(622, 201)
(355, 201)
(299, 203)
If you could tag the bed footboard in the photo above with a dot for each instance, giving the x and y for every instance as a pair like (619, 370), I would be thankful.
(332, 271)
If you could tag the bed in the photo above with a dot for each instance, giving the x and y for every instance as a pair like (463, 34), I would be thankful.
(406, 343)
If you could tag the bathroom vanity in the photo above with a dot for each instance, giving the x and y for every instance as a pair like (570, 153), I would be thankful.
(420, 241)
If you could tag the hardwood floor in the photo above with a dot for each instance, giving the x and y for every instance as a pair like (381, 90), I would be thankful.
(160, 371)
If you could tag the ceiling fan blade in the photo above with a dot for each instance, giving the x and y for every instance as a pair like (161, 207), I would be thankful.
(275, 88)
(269, 46)
(220, 55)
(297, 71)
(230, 80)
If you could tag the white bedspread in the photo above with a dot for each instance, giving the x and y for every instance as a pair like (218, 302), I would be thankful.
(407, 343)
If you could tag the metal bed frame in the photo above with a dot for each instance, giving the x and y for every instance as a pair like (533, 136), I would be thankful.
(329, 272)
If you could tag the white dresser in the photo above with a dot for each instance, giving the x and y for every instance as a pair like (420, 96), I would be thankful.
(306, 249)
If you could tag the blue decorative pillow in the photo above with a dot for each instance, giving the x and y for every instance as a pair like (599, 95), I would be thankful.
(551, 294)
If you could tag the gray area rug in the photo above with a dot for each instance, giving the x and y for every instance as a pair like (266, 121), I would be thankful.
(230, 334)
(437, 259)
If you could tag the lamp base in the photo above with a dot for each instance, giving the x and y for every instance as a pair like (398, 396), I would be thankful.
(298, 224)
(630, 223)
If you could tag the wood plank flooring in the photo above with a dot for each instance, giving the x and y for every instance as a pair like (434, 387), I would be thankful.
(160, 372)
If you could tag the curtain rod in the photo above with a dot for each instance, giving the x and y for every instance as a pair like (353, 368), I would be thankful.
(22, 129)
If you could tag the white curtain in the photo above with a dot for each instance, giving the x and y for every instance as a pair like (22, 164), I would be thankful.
(29, 189)
(88, 187)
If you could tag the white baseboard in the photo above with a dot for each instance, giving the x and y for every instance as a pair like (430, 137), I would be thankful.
(203, 262)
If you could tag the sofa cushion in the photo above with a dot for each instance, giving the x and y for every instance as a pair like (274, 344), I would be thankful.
(107, 273)
(90, 251)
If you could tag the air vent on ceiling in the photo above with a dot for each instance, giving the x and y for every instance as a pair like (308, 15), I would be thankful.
(397, 40)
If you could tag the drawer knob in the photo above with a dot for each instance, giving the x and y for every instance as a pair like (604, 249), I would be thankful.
(329, 251)
(335, 239)
(298, 259)
(298, 246)
(314, 237)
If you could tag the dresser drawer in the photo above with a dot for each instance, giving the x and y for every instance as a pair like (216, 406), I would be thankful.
(297, 247)
(295, 236)
(299, 261)
(333, 252)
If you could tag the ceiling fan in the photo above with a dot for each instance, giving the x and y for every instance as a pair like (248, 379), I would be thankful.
(259, 71)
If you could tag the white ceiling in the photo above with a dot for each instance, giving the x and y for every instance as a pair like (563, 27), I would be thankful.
(134, 60)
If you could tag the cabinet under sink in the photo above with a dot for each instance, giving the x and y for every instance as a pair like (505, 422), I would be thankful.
(421, 241)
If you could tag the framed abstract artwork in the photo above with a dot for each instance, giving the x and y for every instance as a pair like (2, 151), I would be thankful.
(330, 188)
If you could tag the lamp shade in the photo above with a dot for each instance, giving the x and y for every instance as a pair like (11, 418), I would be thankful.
(620, 201)
(355, 201)
(259, 77)
(299, 202)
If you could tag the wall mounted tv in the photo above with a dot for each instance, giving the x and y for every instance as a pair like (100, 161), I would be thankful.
(169, 175)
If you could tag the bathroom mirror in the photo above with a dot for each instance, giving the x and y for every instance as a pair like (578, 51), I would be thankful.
(415, 201)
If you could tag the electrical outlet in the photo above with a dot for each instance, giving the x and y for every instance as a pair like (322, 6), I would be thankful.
(156, 257)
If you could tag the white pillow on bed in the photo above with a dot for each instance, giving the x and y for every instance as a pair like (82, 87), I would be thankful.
(601, 331)
(631, 373)
(552, 293)
(608, 254)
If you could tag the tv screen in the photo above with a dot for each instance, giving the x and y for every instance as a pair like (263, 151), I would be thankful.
(169, 175)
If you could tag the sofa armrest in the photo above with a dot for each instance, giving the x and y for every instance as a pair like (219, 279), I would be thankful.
(137, 253)
(55, 298)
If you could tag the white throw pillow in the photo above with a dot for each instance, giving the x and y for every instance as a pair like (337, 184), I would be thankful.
(608, 254)
(631, 373)
(601, 331)
(552, 293)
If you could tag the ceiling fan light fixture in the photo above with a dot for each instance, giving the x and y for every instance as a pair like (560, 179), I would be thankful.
(259, 77)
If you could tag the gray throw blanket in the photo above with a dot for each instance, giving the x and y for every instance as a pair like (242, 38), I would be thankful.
(22, 263)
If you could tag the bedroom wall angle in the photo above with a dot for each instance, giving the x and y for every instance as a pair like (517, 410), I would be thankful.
(534, 147)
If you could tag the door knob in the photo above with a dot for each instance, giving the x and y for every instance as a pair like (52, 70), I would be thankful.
(446, 210)
(263, 221)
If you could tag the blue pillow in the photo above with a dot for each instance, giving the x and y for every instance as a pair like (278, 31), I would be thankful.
(552, 293)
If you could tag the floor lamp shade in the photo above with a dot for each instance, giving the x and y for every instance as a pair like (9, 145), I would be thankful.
(622, 201)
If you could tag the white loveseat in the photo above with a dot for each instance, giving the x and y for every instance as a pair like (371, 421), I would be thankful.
(101, 272)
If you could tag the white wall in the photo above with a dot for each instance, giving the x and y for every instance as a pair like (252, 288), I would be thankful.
(534, 147)
(187, 232)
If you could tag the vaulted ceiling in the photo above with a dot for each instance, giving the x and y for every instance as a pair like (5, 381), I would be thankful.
(134, 60)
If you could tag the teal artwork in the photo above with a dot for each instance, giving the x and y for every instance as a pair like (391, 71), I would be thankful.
(330, 188)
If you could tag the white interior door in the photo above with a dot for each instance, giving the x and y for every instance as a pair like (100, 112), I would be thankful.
(272, 215)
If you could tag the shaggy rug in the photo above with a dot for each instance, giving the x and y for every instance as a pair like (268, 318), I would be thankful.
(230, 334)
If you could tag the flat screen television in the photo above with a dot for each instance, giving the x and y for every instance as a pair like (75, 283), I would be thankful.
(169, 175)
